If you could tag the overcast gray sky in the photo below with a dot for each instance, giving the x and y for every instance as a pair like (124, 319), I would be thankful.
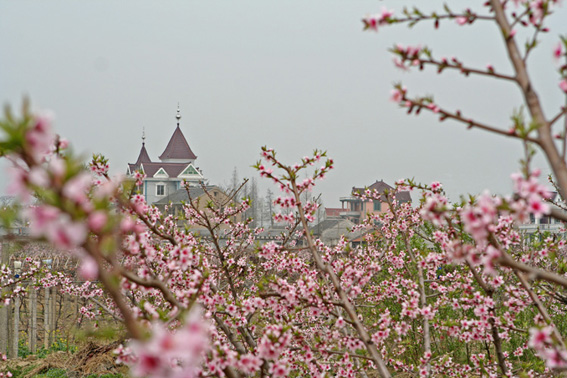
(293, 75)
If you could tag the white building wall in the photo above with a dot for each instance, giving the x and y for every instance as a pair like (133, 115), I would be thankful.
(150, 189)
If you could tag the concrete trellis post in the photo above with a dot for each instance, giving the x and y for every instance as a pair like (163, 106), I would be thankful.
(3, 329)
(53, 315)
(47, 311)
(54, 312)
(46, 316)
(16, 328)
(4, 309)
(33, 320)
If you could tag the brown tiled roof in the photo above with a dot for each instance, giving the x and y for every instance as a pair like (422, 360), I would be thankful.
(178, 148)
(403, 197)
(381, 187)
(143, 158)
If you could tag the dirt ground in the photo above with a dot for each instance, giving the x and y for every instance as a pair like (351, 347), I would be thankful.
(92, 358)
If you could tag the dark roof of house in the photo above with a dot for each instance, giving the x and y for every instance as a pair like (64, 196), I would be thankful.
(273, 232)
(143, 157)
(178, 148)
(326, 224)
(335, 228)
(381, 187)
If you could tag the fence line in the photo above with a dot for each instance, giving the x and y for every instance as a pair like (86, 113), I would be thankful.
(35, 322)
(34, 319)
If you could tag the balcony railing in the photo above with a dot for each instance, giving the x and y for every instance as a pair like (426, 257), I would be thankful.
(532, 228)
(350, 213)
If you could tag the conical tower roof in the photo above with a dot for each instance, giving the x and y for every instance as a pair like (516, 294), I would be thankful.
(177, 148)
(143, 157)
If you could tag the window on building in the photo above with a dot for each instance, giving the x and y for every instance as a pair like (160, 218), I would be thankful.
(160, 190)
(377, 205)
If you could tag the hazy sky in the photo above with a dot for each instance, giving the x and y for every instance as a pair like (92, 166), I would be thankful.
(293, 75)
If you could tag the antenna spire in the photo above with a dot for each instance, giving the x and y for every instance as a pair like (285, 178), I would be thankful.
(143, 136)
(178, 116)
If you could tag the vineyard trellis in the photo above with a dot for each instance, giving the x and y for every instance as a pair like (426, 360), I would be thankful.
(42, 314)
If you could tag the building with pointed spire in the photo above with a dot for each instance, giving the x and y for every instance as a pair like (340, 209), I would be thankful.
(176, 165)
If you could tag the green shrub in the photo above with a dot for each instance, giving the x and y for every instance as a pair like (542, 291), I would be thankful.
(53, 373)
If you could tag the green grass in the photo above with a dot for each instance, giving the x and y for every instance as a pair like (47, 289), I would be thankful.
(58, 345)
(53, 373)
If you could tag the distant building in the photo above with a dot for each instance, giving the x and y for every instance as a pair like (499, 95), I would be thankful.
(202, 197)
(545, 223)
(177, 164)
(338, 222)
(19, 227)
(332, 229)
(333, 212)
(356, 209)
